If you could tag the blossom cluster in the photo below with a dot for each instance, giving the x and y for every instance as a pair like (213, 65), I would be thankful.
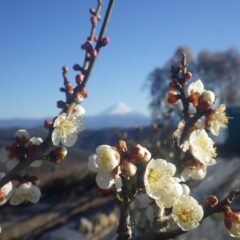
(111, 162)
(205, 118)
(161, 181)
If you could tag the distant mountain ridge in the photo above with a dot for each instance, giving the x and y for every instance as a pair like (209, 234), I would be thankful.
(119, 115)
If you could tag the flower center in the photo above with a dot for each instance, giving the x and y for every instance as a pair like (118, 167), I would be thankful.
(206, 147)
(67, 127)
(186, 214)
(158, 179)
(106, 158)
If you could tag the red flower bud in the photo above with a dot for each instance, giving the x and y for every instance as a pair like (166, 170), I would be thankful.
(128, 168)
(212, 201)
(77, 67)
(188, 75)
(92, 11)
(61, 104)
(48, 123)
(85, 93)
(65, 69)
(172, 98)
(173, 85)
(79, 78)
(105, 41)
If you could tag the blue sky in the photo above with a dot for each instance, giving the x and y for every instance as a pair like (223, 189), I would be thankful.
(38, 37)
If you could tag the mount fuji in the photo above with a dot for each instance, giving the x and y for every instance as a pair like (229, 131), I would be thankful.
(119, 115)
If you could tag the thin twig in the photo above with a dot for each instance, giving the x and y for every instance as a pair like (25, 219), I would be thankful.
(153, 235)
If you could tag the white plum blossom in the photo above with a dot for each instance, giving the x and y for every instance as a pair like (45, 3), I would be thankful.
(199, 96)
(158, 178)
(103, 162)
(194, 170)
(104, 180)
(177, 137)
(167, 199)
(5, 191)
(107, 158)
(208, 97)
(217, 119)
(66, 129)
(202, 147)
(196, 87)
(187, 213)
(25, 192)
(178, 134)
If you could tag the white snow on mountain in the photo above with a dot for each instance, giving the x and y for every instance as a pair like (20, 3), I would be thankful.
(119, 115)
(118, 109)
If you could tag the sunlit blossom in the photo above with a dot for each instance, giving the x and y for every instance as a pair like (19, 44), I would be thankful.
(217, 119)
(66, 129)
(194, 170)
(107, 158)
(202, 147)
(187, 213)
(26, 192)
(158, 177)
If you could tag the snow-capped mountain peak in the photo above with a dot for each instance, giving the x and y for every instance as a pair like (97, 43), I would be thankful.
(118, 109)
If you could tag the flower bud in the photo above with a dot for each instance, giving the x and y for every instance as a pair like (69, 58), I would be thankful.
(58, 154)
(79, 78)
(22, 136)
(61, 104)
(77, 67)
(206, 99)
(105, 41)
(87, 46)
(70, 88)
(92, 11)
(48, 123)
(188, 75)
(212, 201)
(173, 85)
(140, 153)
(232, 223)
(172, 98)
(128, 168)
(65, 69)
(93, 53)
(79, 97)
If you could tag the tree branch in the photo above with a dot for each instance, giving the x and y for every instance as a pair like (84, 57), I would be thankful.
(227, 201)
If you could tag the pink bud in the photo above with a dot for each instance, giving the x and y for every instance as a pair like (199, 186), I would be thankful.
(70, 88)
(128, 168)
(77, 67)
(85, 93)
(48, 123)
(188, 76)
(79, 97)
(65, 69)
(94, 53)
(105, 41)
(61, 104)
(92, 11)
(79, 78)
(94, 21)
